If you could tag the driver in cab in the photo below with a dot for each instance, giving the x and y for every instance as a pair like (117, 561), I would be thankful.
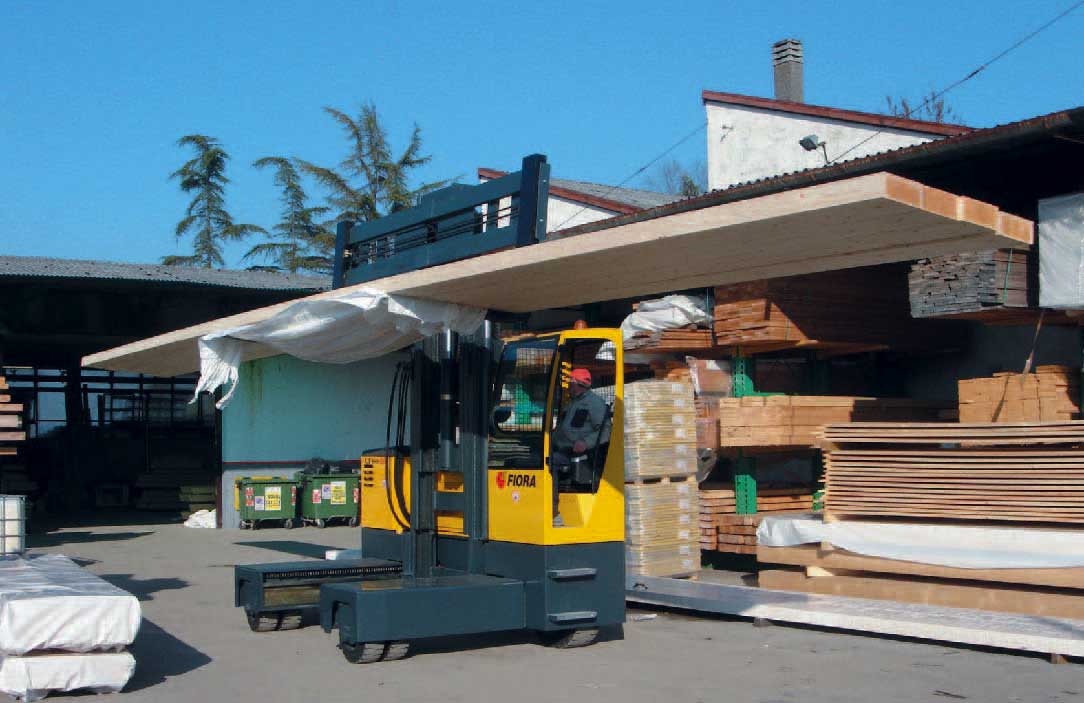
(581, 426)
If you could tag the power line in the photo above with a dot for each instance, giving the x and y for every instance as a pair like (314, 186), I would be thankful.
(640, 170)
(1012, 47)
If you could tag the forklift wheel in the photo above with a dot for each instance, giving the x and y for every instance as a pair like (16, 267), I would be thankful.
(320, 522)
(363, 652)
(396, 650)
(571, 639)
(288, 524)
(245, 524)
(291, 620)
(353, 522)
(262, 622)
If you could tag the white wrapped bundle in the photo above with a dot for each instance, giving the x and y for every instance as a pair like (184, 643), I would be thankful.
(660, 429)
(32, 678)
(49, 602)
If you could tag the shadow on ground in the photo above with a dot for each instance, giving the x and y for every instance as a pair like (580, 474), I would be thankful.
(159, 655)
(301, 549)
(55, 539)
(144, 588)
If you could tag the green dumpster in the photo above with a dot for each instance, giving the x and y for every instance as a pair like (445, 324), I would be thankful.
(330, 496)
(259, 498)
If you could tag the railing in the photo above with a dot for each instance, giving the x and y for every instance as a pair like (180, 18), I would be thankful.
(457, 222)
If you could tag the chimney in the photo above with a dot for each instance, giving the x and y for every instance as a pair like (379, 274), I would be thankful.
(787, 64)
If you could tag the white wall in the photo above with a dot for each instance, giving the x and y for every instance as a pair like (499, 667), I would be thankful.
(749, 143)
(562, 214)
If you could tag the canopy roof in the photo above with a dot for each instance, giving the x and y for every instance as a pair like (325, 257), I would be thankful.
(873, 219)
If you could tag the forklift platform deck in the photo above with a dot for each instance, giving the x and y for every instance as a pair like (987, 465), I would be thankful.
(275, 595)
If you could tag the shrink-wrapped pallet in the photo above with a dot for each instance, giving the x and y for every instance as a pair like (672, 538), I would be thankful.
(660, 430)
(661, 533)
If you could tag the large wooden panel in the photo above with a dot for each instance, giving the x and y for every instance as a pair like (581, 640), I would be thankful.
(862, 221)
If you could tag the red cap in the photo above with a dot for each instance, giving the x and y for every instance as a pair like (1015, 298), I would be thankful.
(582, 377)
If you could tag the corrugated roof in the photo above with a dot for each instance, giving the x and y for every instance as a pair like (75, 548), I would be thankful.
(835, 113)
(621, 200)
(44, 267)
(976, 141)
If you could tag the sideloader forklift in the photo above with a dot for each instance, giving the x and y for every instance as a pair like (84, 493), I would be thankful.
(458, 533)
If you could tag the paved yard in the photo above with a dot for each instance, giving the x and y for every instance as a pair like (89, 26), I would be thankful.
(194, 646)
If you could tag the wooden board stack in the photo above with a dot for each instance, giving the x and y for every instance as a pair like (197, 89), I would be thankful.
(676, 340)
(722, 530)
(660, 527)
(1051, 394)
(1019, 472)
(660, 430)
(848, 310)
(660, 470)
(973, 282)
(11, 422)
(796, 421)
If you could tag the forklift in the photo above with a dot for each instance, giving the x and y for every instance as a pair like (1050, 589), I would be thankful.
(458, 534)
(458, 509)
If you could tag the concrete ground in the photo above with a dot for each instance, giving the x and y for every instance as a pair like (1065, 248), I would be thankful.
(195, 646)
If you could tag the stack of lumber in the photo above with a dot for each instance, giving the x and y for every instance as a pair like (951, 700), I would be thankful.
(973, 282)
(660, 470)
(795, 420)
(1051, 394)
(849, 310)
(15, 479)
(660, 430)
(675, 340)
(722, 530)
(175, 489)
(669, 370)
(660, 527)
(64, 629)
(707, 424)
(1020, 472)
(11, 422)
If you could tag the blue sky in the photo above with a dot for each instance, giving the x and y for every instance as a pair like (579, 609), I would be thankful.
(94, 95)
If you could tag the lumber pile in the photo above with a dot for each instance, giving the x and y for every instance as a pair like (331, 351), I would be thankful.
(850, 310)
(1019, 472)
(660, 430)
(11, 422)
(973, 282)
(674, 340)
(1051, 394)
(176, 484)
(795, 420)
(723, 530)
(661, 537)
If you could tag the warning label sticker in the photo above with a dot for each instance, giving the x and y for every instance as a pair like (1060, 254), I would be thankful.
(325, 491)
(338, 492)
(248, 497)
(259, 503)
(316, 495)
(273, 497)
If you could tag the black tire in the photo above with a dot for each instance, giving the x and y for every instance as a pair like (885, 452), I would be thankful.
(262, 622)
(320, 522)
(291, 620)
(396, 650)
(364, 652)
(288, 524)
(353, 522)
(245, 524)
(571, 639)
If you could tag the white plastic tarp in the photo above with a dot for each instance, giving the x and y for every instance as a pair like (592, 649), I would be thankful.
(362, 324)
(667, 313)
(1061, 251)
(958, 546)
(49, 602)
(35, 677)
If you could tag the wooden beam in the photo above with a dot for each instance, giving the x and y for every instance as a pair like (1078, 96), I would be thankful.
(841, 560)
(874, 219)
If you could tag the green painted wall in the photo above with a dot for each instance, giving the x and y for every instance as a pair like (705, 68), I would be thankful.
(286, 409)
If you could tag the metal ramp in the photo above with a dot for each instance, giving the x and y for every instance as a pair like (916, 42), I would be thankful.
(1046, 635)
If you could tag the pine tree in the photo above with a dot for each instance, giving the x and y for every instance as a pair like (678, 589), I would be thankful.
(370, 182)
(206, 217)
(302, 243)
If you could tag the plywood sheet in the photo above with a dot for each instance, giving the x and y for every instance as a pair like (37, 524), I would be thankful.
(862, 221)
